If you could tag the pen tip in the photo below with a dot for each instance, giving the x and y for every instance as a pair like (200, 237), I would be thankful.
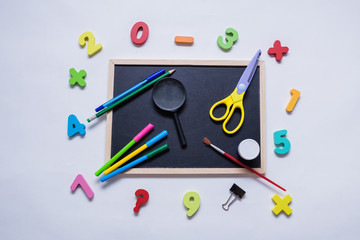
(91, 118)
(172, 71)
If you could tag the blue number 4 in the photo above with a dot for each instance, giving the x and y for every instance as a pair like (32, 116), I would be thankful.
(281, 140)
(74, 126)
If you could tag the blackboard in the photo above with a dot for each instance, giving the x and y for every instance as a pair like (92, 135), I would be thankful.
(206, 82)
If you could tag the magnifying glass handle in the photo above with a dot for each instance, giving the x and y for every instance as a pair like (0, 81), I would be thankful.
(179, 130)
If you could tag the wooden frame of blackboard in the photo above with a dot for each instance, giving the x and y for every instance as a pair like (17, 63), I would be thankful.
(217, 171)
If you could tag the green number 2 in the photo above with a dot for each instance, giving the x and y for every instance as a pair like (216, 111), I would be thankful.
(232, 36)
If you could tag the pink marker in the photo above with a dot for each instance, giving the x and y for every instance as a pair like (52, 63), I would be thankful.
(137, 138)
(143, 132)
(80, 180)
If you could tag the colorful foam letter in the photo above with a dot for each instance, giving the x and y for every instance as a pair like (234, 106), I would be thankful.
(192, 202)
(278, 50)
(77, 77)
(280, 139)
(74, 126)
(80, 180)
(295, 94)
(142, 197)
(92, 48)
(184, 40)
(232, 36)
(134, 31)
(282, 204)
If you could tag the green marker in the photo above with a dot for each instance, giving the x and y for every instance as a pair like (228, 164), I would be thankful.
(124, 149)
(102, 112)
(151, 154)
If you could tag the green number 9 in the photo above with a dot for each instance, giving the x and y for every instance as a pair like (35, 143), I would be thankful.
(192, 202)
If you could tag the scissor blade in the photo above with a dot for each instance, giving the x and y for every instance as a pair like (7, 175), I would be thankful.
(248, 74)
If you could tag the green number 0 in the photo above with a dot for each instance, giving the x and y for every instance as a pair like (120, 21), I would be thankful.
(232, 36)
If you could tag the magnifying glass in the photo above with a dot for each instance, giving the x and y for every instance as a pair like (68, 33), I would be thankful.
(169, 95)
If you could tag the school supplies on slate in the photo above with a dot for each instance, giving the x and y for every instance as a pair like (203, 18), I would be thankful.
(208, 143)
(102, 112)
(194, 74)
(135, 162)
(148, 144)
(235, 100)
(130, 90)
(236, 192)
(124, 149)
(169, 95)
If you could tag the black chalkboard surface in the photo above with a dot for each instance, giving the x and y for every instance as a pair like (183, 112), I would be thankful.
(206, 82)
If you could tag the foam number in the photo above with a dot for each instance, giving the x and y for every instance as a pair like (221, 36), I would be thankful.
(295, 94)
(74, 126)
(92, 48)
(281, 140)
(232, 36)
(134, 31)
(192, 202)
(80, 181)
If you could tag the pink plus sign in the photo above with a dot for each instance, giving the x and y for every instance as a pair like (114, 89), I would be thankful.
(278, 50)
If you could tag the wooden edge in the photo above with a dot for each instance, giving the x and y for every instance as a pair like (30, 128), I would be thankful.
(262, 117)
(189, 171)
(202, 171)
(180, 62)
(109, 114)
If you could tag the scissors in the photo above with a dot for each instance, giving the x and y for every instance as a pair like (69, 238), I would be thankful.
(235, 100)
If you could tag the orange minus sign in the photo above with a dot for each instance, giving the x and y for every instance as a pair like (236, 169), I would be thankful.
(184, 40)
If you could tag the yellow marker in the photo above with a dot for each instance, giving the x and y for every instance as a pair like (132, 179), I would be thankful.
(125, 159)
(137, 151)
(282, 204)
(295, 96)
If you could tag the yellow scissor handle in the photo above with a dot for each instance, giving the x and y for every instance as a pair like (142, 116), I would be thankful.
(241, 107)
(226, 101)
(235, 100)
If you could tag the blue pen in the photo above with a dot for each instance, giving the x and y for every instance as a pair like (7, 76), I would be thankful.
(135, 162)
(118, 97)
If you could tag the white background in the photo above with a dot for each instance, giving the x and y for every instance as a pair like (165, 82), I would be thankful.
(39, 44)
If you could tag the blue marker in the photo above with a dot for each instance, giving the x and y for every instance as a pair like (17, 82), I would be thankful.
(140, 84)
(148, 144)
(135, 162)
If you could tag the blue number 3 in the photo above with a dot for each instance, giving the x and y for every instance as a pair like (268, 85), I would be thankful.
(281, 140)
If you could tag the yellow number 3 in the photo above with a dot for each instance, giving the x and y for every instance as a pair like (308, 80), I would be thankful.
(92, 48)
(232, 36)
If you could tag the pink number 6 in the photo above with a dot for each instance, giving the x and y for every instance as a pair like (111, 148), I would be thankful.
(134, 31)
